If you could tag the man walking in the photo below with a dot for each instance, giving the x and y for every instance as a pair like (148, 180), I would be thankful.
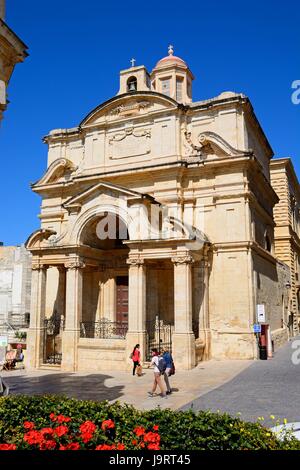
(169, 363)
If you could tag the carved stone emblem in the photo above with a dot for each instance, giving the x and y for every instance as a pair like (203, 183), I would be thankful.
(130, 143)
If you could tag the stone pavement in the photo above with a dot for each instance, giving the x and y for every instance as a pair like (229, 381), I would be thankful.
(122, 386)
(253, 388)
(265, 388)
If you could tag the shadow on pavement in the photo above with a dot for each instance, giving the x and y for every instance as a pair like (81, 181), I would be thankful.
(88, 387)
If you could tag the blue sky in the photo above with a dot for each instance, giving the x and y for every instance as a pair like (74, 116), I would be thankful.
(78, 48)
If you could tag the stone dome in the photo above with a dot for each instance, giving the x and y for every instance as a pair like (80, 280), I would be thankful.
(170, 60)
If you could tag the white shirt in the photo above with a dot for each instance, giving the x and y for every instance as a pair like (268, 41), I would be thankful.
(154, 362)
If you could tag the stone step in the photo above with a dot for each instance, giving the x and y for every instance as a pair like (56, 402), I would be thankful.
(50, 367)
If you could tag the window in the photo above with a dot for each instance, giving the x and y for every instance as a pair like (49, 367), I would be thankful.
(132, 84)
(165, 86)
(268, 244)
(179, 84)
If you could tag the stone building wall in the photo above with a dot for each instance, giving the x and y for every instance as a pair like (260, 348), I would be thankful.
(15, 284)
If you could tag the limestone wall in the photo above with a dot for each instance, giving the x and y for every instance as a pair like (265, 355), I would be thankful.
(270, 281)
(101, 354)
(15, 282)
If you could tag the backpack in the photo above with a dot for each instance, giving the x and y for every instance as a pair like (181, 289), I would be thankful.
(162, 365)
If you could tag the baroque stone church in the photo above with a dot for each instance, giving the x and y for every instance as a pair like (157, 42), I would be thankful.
(156, 228)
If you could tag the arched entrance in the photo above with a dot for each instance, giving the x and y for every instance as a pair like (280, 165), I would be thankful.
(105, 281)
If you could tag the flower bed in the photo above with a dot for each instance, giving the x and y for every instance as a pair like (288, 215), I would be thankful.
(58, 423)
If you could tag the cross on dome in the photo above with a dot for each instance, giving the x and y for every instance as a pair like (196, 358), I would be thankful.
(170, 50)
(133, 61)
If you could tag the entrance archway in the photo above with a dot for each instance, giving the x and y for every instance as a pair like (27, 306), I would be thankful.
(105, 280)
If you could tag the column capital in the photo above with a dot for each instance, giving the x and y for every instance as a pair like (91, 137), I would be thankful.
(36, 266)
(74, 263)
(204, 263)
(182, 259)
(135, 261)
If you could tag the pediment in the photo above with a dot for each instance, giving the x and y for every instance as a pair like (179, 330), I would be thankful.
(107, 191)
(129, 105)
(62, 168)
(210, 144)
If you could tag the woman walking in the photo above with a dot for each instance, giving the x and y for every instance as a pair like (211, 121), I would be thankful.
(136, 357)
(157, 374)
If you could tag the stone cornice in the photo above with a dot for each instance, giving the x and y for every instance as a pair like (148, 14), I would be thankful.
(245, 246)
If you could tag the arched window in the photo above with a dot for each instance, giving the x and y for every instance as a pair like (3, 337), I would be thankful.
(132, 84)
(268, 244)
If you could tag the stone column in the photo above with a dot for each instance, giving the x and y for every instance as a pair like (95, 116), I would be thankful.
(183, 339)
(73, 314)
(137, 308)
(204, 327)
(35, 334)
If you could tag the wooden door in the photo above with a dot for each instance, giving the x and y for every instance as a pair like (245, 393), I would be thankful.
(122, 299)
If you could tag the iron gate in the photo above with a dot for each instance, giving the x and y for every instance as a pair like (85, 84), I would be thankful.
(52, 340)
(159, 336)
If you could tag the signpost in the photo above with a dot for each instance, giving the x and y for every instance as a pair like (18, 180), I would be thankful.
(261, 313)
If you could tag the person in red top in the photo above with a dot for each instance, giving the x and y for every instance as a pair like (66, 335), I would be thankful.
(136, 357)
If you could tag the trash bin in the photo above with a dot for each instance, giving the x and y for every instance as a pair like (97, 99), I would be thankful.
(263, 352)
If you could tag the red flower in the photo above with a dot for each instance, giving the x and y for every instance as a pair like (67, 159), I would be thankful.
(71, 446)
(48, 445)
(152, 437)
(153, 447)
(7, 447)
(32, 437)
(134, 442)
(86, 436)
(105, 447)
(61, 430)
(53, 417)
(107, 424)
(120, 447)
(46, 432)
(63, 419)
(28, 425)
(155, 428)
(87, 427)
(139, 431)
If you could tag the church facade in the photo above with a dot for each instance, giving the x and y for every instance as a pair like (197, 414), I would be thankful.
(156, 228)
(12, 51)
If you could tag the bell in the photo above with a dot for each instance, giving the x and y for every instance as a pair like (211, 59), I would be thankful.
(132, 86)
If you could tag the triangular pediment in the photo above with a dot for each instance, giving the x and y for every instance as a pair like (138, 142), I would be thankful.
(106, 190)
(129, 105)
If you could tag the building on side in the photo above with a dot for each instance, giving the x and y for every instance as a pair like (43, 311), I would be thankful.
(287, 231)
(156, 228)
(12, 51)
(15, 287)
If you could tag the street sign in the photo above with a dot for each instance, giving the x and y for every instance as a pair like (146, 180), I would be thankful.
(257, 328)
(261, 313)
(3, 341)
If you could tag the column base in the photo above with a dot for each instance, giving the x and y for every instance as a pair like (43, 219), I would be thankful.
(70, 339)
(133, 338)
(34, 348)
(183, 350)
(203, 346)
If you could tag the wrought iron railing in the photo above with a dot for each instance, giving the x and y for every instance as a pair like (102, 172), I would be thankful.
(103, 329)
(159, 336)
